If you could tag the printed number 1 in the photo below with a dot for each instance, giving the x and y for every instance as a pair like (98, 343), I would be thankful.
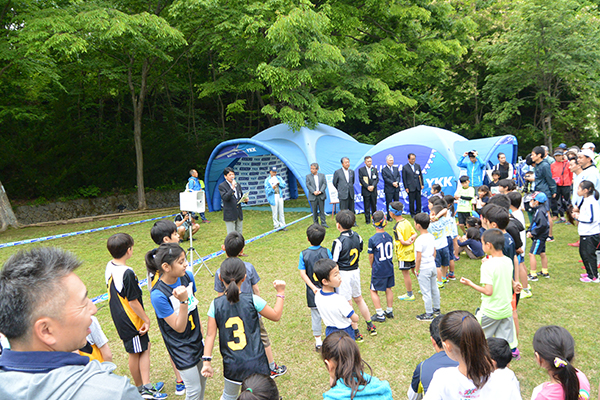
(238, 333)
(192, 322)
(353, 253)
(385, 253)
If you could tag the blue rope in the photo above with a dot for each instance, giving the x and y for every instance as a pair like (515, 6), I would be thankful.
(144, 282)
(43, 239)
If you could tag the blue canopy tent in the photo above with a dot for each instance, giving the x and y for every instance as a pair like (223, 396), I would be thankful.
(437, 151)
(291, 151)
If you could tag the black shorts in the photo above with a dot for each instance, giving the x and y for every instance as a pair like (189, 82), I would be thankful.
(137, 345)
(381, 284)
(538, 246)
(405, 265)
(462, 217)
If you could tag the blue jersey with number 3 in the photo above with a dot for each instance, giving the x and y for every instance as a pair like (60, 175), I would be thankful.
(381, 245)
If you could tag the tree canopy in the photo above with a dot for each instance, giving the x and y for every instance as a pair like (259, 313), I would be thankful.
(123, 94)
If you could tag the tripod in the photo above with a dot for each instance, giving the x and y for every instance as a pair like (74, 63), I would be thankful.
(191, 251)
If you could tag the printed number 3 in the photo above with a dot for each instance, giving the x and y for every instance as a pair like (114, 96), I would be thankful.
(192, 322)
(238, 333)
(354, 254)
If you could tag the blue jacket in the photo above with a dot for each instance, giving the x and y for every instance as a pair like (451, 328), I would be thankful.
(474, 170)
(271, 192)
(543, 179)
(375, 389)
(195, 184)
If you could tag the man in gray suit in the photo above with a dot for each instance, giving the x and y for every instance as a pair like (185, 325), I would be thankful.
(316, 185)
(343, 180)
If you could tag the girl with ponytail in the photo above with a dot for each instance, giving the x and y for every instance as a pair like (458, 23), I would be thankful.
(464, 342)
(554, 350)
(588, 218)
(235, 316)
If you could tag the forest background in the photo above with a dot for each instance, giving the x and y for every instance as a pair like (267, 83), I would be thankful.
(108, 96)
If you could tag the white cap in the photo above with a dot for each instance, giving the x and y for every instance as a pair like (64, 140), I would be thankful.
(588, 153)
(588, 145)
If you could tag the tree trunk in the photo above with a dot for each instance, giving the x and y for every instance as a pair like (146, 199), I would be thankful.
(7, 216)
(138, 109)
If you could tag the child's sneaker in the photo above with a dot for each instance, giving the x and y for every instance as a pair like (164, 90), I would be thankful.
(440, 285)
(444, 280)
(584, 275)
(371, 329)
(532, 278)
(525, 294)
(406, 297)
(158, 386)
(451, 276)
(278, 371)
(516, 354)
(358, 338)
(425, 317)
(151, 394)
(586, 279)
(436, 312)
(378, 318)
(389, 315)
(179, 388)
(543, 275)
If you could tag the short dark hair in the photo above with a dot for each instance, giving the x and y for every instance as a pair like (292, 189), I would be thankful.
(378, 216)
(161, 229)
(437, 187)
(437, 208)
(501, 200)
(496, 214)
(515, 199)
(500, 351)
(259, 387)
(434, 330)
(396, 205)
(436, 200)
(464, 179)
(346, 219)
(509, 184)
(500, 154)
(539, 150)
(322, 268)
(495, 172)
(118, 244)
(316, 165)
(411, 154)
(344, 158)
(227, 170)
(495, 237)
(30, 287)
(315, 234)
(367, 157)
(234, 244)
(423, 220)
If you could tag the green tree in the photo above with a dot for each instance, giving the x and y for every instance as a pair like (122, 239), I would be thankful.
(544, 67)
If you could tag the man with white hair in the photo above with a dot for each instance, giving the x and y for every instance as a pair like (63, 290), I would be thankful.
(391, 183)
(547, 157)
(591, 146)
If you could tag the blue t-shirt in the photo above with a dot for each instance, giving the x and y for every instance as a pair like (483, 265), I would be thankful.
(381, 245)
(474, 245)
(259, 305)
(252, 279)
(161, 303)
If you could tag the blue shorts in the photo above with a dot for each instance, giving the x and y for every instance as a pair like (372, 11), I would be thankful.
(520, 258)
(450, 247)
(381, 284)
(442, 257)
(538, 246)
(330, 329)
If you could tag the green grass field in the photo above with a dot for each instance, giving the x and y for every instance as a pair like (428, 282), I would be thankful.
(400, 344)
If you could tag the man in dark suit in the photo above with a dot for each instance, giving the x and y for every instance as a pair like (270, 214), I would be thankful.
(391, 183)
(316, 184)
(413, 184)
(231, 193)
(343, 180)
(368, 178)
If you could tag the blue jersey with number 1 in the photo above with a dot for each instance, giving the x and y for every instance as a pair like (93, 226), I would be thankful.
(381, 245)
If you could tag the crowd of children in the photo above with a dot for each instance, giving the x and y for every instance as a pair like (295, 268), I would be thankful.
(494, 231)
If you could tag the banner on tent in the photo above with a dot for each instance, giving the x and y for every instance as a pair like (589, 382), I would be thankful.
(435, 168)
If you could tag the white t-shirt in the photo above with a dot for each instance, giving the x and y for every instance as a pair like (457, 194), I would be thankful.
(509, 382)
(334, 309)
(589, 217)
(425, 244)
(449, 384)
(518, 214)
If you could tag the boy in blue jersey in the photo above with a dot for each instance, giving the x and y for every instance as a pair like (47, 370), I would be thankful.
(381, 254)
(538, 232)
(346, 253)
(315, 234)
